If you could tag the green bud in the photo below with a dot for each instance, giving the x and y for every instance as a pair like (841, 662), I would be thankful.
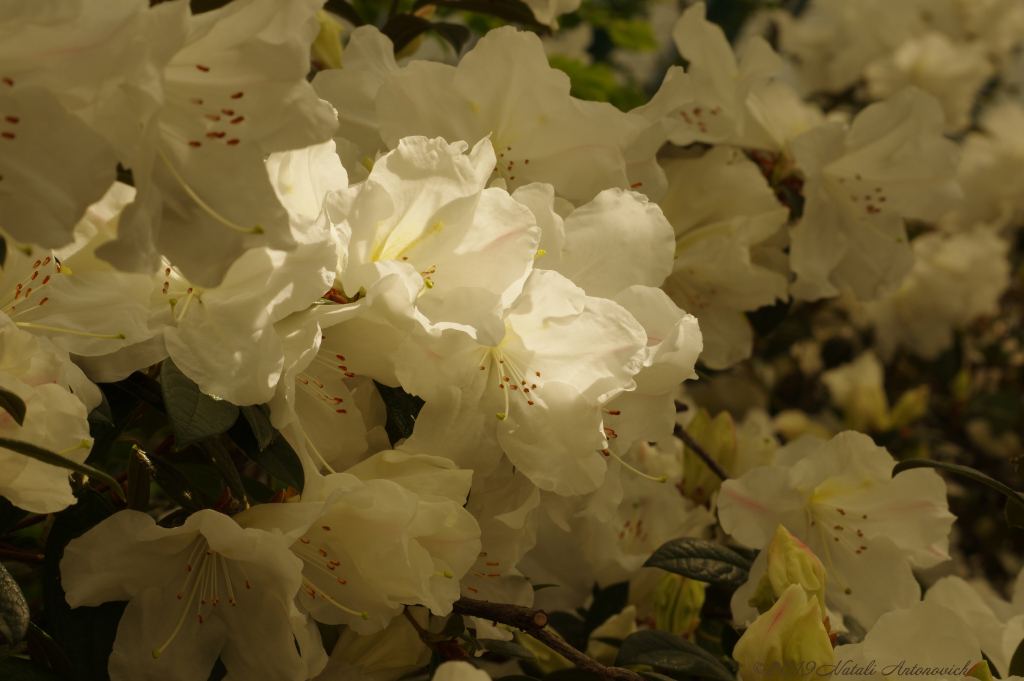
(912, 405)
(677, 603)
(789, 562)
(981, 671)
(718, 438)
(327, 45)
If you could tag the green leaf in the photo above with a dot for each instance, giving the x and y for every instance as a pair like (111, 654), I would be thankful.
(607, 602)
(204, 478)
(43, 650)
(569, 627)
(121, 404)
(703, 560)
(509, 10)
(1017, 661)
(13, 613)
(194, 415)
(345, 11)
(402, 29)
(217, 455)
(506, 648)
(455, 626)
(965, 471)
(538, 587)
(13, 405)
(632, 34)
(138, 483)
(257, 491)
(45, 456)
(10, 515)
(175, 483)
(403, 409)
(85, 634)
(665, 650)
(258, 416)
(278, 458)
(18, 669)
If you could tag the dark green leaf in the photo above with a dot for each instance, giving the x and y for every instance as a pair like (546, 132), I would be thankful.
(138, 483)
(45, 456)
(218, 672)
(403, 409)
(991, 667)
(85, 634)
(965, 471)
(573, 674)
(257, 491)
(569, 627)
(43, 650)
(455, 626)
(10, 515)
(144, 388)
(607, 602)
(730, 635)
(13, 405)
(13, 613)
(278, 459)
(204, 479)
(703, 560)
(258, 417)
(608, 640)
(101, 414)
(121, 404)
(1014, 513)
(538, 587)
(655, 676)
(456, 35)
(664, 650)
(1017, 661)
(218, 456)
(506, 648)
(345, 11)
(194, 415)
(175, 483)
(402, 29)
(509, 10)
(18, 669)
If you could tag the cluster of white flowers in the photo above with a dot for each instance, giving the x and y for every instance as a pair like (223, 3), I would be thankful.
(542, 272)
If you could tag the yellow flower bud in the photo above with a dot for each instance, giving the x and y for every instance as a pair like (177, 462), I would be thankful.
(789, 562)
(981, 671)
(327, 46)
(788, 641)
(677, 603)
(912, 405)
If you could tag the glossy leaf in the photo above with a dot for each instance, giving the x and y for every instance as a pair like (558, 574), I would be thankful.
(194, 415)
(703, 560)
(665, 650)
(506, 648)
(13, 405)
(278, 458)
(13, 613)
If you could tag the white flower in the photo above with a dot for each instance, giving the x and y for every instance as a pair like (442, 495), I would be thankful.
(720, 82)
(208, 588)
(723, 212)
(55, 419)
(387, 655)
(953, 72)
(504, 88)
(233, 93)
(956, 278)
(925, 635)
(674, 341)
(460, 671)
(223, 338)
(860, 184)
(839, 498)
(547, 11)
(76, 80)
(535, 391)
(392, 531)
(83, 311)
(998, 625)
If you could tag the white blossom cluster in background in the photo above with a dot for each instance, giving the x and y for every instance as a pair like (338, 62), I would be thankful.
(545, 275)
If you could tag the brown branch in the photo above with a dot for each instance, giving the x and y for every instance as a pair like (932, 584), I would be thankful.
(701, 453)
(533, 622)
(16, 554)
(29, 522)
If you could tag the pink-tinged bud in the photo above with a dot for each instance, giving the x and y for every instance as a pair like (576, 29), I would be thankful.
(788, 641)
(677, 603)
(790, 562)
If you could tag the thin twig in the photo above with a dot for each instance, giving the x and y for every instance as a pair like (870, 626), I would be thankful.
(16, 554)
(533, 623)
(701, 453)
